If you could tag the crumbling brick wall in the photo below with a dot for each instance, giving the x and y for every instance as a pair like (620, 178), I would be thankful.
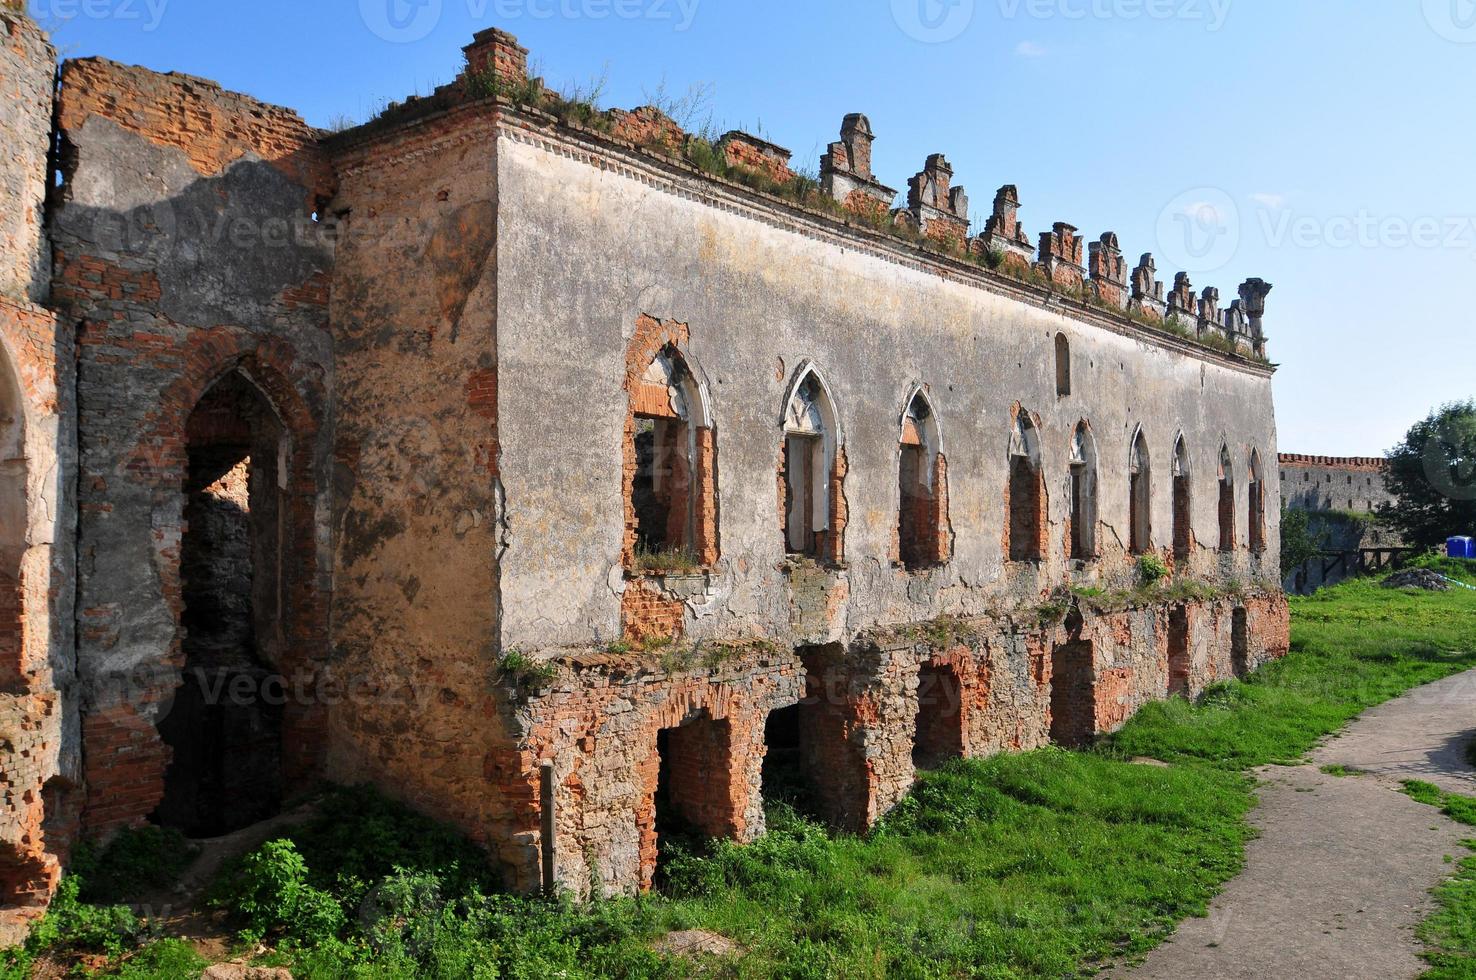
(417, 516)
(606, 777)
(39, 739)
(186, 249)
(27, 78)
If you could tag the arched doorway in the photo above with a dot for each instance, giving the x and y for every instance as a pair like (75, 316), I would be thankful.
(224, 727)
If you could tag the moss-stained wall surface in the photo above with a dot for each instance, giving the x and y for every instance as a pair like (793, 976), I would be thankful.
(590, 242)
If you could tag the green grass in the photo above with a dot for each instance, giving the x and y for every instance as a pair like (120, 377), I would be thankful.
(1041, 864)
(1353, 646)
(1450, 933)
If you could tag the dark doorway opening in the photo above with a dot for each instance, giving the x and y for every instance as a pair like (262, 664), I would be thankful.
(1073, 694)
(224, 728)
(693, 787)
(1240, 643)
(787, 772)
(1178, 652)
(939, 727)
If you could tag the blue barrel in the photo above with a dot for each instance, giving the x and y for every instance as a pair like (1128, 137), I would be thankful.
(1461, 547)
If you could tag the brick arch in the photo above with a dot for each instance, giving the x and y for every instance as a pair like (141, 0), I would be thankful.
(124, 756)
(693, 455)
(268, 366)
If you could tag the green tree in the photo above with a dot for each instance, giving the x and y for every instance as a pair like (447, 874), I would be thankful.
(1432, 475)
(1299, 542)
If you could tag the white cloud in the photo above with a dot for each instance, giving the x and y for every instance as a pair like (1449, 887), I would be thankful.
(1029, 49)
(1271, 202)
(1206, 215)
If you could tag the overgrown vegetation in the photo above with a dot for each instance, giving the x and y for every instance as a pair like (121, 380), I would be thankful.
(1041, 864)
(522, 671)
(1450, 933)
(672, 561)
(1299, 542)
(1151, 569)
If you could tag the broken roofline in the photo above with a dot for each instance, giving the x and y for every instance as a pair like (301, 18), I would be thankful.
(933, 226)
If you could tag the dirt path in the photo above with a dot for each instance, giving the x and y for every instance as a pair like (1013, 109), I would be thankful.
(1340, 876)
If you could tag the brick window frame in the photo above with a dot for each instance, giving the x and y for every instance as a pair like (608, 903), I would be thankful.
(685, 403)
(923, 531)
(1256, 505)
(812, 470)
(1183, 476)
(1226, 473)
(1025, 498)
(1081, 495)
(1140, 494)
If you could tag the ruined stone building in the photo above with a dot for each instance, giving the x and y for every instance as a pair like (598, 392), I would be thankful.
(1341, 495)
(1352, 484)
(499, 437)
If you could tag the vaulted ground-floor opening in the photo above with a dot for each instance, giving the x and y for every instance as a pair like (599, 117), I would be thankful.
(1178, 652)
(694, 785)
(1073, 694)
(939, 728)
(224, 726)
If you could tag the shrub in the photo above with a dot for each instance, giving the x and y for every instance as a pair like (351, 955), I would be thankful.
(72, 924)
(523, 671)
(269, 890)
(1152, 569)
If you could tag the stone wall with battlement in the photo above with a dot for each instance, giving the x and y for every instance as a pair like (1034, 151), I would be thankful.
(1344, 483)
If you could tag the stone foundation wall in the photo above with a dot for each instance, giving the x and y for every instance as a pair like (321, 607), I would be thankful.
(864, 709)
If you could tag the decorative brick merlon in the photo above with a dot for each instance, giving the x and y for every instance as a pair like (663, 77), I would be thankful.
(1181, 303)
(1109, 271)
(497, 51)
(939, 210)
(745, 150)
(1147, 297)
(1253, 294)
(845, 169)
(1060, 254)
(1210, 320)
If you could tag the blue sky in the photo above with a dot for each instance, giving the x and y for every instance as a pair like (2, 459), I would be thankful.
(1324, 146)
